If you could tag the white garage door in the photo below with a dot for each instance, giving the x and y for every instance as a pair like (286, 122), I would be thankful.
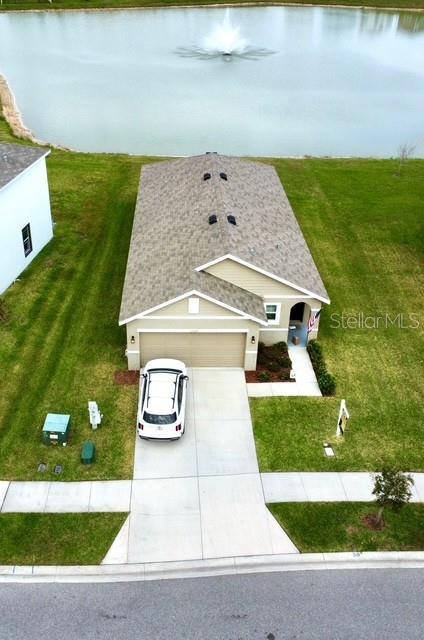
(195, 349)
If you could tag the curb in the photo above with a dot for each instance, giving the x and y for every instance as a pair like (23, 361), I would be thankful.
(216, 567)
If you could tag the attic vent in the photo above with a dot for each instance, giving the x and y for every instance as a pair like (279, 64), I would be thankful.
(208, 153)
(223, 176)
(206, 176)
(213, 219)
(231, 220)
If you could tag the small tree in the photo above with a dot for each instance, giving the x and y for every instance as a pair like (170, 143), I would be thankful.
(405, 151)
(391, 489)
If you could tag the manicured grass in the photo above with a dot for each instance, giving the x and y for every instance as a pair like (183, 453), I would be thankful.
(61, 344)
(338, 526)
(87, 4)
(65, 538)
(365, 228)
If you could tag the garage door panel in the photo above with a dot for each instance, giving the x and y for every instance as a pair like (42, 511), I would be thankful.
(195, 349)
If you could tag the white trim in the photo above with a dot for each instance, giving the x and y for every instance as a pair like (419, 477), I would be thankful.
(288, 297)
(277, 306)
(187, 295)
(193, 331)
(191, 318)
(274, 329)
(133, 351)
(251, 351)
(228, 256)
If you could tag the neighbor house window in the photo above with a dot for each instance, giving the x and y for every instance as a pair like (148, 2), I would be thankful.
(26, 239)
(273, 313)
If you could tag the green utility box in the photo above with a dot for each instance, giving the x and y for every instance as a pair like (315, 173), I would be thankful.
(88, 452)
(57, 427)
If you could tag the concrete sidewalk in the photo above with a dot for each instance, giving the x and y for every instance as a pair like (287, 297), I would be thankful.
(65, 497)
(126, 495)
(327, 487)
(305, 385)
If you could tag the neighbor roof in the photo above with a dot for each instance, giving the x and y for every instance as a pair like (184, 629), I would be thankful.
(172, 236)
(14, 159)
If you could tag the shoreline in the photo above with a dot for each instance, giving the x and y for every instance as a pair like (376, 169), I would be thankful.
(13, 117)
(224, 5)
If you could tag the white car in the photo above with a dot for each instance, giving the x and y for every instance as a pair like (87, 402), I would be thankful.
(161, 407)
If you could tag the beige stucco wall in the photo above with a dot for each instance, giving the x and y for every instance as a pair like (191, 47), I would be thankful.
(215, 318)
(272, 292)
(249, 279)
(180, 308)
(221, 320)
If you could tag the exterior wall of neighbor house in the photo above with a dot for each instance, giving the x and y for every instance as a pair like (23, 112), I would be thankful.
(25, 200)
(272, 292)
(211, 318)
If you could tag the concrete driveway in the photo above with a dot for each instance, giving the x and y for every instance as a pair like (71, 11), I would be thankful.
(201, 497)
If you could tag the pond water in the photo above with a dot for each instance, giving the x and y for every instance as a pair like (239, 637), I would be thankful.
(334, 82)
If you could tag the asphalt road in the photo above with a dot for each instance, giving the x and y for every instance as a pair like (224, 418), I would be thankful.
(330, 605)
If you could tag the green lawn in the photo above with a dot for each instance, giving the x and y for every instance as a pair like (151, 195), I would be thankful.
(61, 343)
(66, 538)
(338, 526)
(365, 227)
(86, 4)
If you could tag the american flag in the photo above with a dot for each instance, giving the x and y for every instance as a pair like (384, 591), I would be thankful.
(313, 320)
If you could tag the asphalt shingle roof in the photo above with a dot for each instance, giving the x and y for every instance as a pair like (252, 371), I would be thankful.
(172, 235)
(16, 158)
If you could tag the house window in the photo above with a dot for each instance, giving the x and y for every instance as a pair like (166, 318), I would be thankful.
(26, 239)
(273, 313)
(193, 305)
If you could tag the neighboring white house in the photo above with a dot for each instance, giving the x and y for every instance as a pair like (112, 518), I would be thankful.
(217, 264)
(25, 217)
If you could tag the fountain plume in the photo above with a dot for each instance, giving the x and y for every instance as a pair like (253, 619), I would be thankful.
(224, 41)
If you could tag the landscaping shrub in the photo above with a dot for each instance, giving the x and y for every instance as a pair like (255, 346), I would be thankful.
(326, 381)
(282, 346)
(273, 365)
(285, 362)
(262, 359)
(327, 384)
(264, 376)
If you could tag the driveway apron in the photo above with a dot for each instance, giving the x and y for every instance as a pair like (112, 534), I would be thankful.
(201, 496)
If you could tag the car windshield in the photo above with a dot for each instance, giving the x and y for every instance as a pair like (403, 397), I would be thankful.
(159, 419)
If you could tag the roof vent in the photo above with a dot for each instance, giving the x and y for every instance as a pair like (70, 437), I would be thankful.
(232, 220)
(213, 219)
(208, 153)
(206, 176)
(223, 176)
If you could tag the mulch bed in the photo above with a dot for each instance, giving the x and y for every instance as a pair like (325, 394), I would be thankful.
(274, 376)
(371, 522)
(126, 377)
(274, 360)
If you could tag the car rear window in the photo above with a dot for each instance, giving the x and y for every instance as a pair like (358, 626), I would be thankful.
(158, 419)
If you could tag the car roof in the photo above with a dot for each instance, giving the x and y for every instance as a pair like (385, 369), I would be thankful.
(161, 391)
